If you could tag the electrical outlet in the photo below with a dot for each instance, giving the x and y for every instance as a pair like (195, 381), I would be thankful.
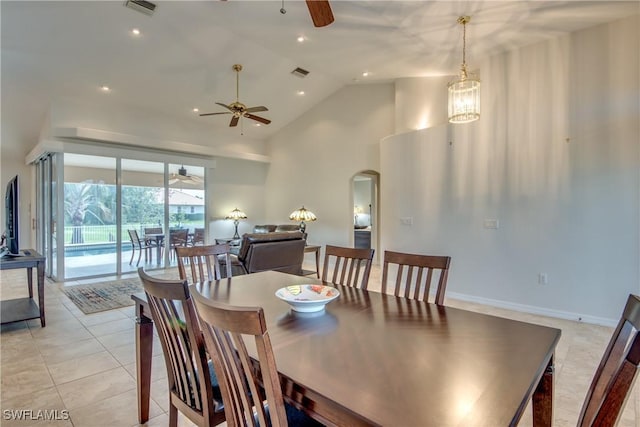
(543, 279)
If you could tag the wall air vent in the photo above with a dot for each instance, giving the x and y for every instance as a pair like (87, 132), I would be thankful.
(143, 6)
(300, 72)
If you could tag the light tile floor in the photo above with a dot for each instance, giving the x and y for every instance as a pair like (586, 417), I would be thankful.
(85, 363)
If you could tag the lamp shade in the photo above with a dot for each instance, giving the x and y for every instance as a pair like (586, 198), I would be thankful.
(236, 214)
(302, 215)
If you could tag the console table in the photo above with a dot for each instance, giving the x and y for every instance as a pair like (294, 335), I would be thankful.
(18, 309)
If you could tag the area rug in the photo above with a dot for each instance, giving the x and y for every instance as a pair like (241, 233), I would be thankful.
(109, 295)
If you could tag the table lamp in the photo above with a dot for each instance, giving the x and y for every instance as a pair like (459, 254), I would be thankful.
(236, 215)
(302, 215)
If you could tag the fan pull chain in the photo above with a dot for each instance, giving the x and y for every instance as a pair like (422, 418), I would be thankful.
(282, 9)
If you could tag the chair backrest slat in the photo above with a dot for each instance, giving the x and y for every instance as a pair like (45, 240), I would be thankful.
(351, 266)
(405, 283)
(617, 371)
(242, 379)
(203, 262)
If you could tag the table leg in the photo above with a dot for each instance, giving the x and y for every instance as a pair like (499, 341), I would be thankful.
(144, 350)
(40, 272)
(159, 245)
(543, 399)
(30, 281)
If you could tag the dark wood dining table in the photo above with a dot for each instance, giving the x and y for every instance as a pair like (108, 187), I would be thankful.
(376, 359)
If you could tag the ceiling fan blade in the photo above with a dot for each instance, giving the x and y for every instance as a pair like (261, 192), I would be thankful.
(320, 12)
(213, 114)
(257, 118)
(234, 121)
(225, 106)
(173, 181)
(256, 109)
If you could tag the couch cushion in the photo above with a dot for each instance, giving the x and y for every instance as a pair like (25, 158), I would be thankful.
(282, 255)
(287, 227)
(253, 238)
(264, 228)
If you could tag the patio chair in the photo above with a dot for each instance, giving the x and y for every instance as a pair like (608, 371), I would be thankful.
(177, 238)
(197, 238)
(140, 245)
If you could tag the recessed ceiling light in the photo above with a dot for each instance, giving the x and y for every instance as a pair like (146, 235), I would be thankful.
(135, 32)
(301, 39)
(365, 74)
(300, 92)
(105, 88)
(196, 109)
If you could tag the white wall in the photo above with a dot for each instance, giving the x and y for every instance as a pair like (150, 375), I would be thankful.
(236, 184)
(570, 209)
(314, 159)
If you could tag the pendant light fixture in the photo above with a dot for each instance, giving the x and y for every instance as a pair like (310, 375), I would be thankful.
(464, 93)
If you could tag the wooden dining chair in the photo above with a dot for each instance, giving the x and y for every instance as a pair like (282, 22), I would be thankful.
(414, 275)
(250, 386)
(351, 266)
(204, 262)
(140, 245)
(616, 373)
(193, 386)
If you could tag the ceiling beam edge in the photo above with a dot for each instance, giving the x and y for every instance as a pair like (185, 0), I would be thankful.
(99, 135)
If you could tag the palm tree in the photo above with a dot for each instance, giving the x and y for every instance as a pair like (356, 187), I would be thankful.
(80, 200)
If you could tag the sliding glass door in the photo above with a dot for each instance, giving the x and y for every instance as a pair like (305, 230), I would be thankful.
(186, 206)
(143, 214)
(46, 211)
(108, 215)
(90, 216)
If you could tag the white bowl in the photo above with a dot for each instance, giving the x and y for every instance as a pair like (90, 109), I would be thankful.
(307, 298)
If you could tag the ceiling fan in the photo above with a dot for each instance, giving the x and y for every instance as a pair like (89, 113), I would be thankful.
(320, 11)
(182, 176)
(237, 108)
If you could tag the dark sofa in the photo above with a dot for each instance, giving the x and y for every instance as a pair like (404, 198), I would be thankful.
(280, 251)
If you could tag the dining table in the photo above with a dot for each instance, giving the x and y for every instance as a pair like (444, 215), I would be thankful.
(374, 359)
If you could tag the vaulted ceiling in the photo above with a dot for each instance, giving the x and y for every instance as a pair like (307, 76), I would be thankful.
(183, 56)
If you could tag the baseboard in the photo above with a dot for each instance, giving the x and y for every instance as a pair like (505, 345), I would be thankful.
(535, 310)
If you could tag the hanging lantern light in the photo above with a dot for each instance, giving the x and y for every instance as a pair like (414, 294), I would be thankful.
(464, 93)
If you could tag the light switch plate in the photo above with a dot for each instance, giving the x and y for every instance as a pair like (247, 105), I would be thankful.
(491, 224)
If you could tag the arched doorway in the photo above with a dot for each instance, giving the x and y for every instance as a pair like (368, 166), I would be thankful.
(365, 202)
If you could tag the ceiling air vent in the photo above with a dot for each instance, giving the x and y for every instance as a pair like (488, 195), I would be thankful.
(143, 6)
(300, 72)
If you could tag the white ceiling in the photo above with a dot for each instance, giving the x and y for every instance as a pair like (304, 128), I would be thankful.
(183, 57)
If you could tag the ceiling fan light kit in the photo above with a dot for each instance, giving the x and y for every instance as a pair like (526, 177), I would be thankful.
(464, 93)
(183, 177)
(237, 108)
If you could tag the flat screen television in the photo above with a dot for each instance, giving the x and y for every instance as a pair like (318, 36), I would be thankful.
(11, 203)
